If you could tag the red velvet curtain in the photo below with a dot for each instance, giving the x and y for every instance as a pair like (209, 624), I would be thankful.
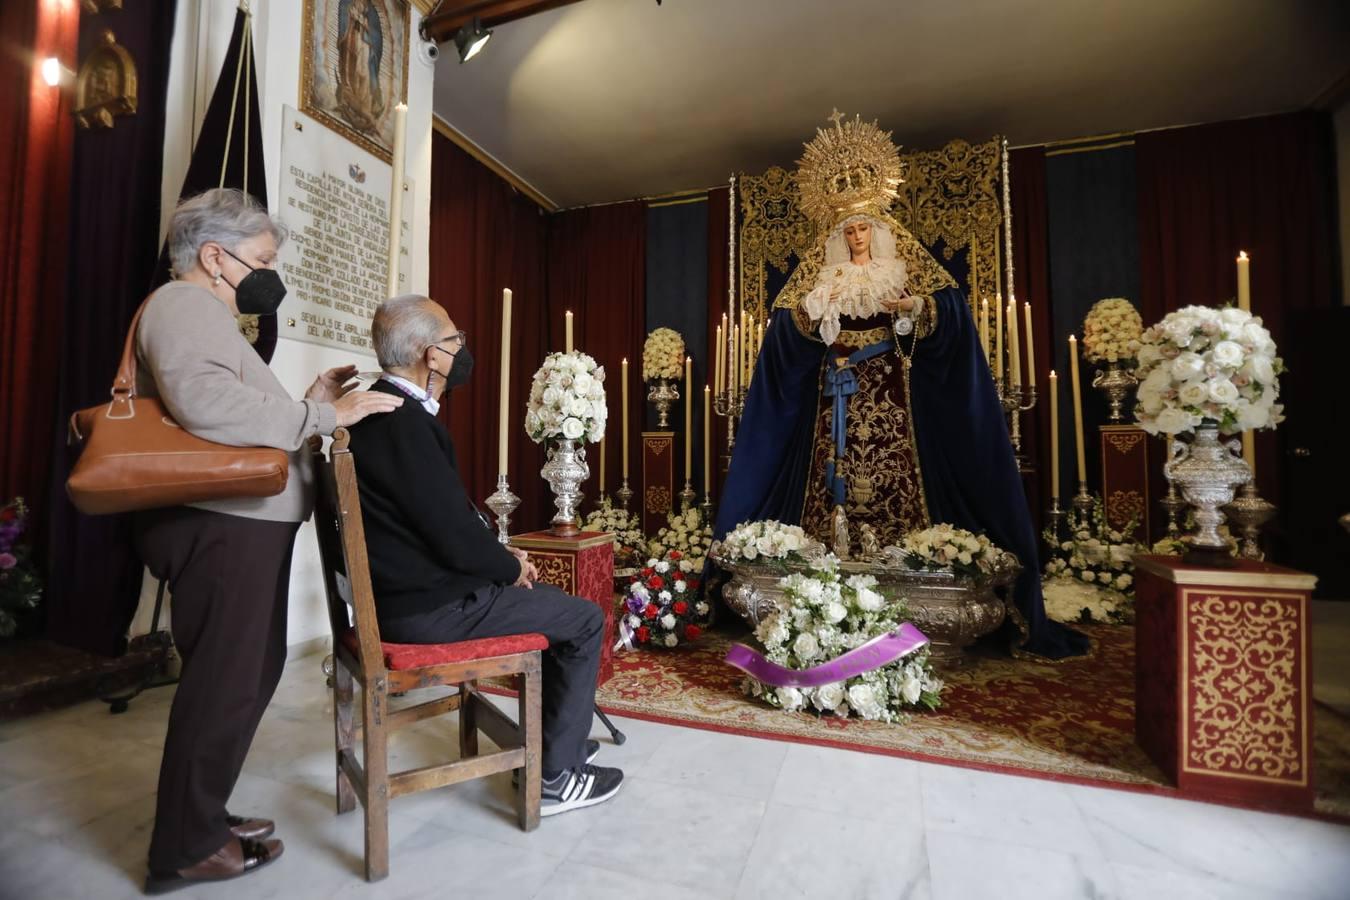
(484, 237)
(718, 279)
(1264, 185)
(597, 269)
(1031, 278)
(35, 173)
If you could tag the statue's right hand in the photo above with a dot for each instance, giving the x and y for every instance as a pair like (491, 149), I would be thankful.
(352, 408)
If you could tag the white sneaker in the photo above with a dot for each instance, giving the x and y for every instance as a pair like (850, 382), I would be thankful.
(577, 788)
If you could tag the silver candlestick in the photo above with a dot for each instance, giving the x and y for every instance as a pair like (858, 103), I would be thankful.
(1082, 504)
(1055, 516)
(502, 503)
(706, 509)
(624, 495)
(687, 496)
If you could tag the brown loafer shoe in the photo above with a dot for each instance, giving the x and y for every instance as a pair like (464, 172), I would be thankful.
(251, 829)
(237, 857)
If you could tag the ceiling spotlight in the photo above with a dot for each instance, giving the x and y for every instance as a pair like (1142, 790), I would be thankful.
(470, 39)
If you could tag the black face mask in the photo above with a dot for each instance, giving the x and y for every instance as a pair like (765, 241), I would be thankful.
(461, 367)
(259, 293)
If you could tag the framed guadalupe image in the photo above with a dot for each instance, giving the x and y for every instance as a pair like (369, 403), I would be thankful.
(354, 68)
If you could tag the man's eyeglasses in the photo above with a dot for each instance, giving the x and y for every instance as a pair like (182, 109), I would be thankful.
(460, 338)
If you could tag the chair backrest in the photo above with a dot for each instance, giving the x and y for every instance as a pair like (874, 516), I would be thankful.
(342, 551)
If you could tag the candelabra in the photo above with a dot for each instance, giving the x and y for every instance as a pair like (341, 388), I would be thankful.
(502, 503)
(1015, 400)
(730, 404)
(624, 495)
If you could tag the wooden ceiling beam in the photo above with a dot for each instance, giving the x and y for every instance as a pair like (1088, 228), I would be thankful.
(452, 15)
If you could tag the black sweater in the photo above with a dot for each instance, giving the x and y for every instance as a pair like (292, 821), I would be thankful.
(426, 543)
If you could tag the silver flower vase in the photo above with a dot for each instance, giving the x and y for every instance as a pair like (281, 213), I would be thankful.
(1117, 383)
(1208, 471)
(663, 395)
(564, 471)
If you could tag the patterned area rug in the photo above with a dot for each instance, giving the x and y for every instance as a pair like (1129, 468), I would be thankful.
(1072, 721)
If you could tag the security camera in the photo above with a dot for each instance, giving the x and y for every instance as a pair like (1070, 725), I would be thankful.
(428, 52)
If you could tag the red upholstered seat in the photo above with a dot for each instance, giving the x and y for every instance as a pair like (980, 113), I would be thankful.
(415, 656)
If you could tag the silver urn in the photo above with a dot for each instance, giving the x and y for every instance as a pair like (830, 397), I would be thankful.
(1117, 383)
(564, 471)
(1208, 471)
(663, 395)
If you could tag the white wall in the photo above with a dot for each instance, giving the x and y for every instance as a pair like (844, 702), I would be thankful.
(201, 38)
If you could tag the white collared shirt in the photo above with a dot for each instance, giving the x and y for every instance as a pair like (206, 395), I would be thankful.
(429, 403)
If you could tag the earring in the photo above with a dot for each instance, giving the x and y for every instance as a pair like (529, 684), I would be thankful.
(216, 280)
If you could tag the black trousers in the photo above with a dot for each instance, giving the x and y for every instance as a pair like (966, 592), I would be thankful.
(229, 577)
(574, 628)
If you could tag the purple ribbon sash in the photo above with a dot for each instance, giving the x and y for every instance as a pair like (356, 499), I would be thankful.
(874, 654)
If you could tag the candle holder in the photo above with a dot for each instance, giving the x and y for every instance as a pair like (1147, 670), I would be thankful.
(687, 496)
(1055, 515)
(1174, 506)
(1082, 505)
(624, 495)
(502, 503)
(730, 406)
(706, 509)
(1016, 400)
(1249, 512)
(663, 395)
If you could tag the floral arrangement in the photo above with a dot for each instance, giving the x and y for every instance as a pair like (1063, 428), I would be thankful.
(685, 532)
(824, 616)
(624, 525)
(663, 355)
(20, 587)
(1110, 330)
(945, 547)
(1090, 576)
(663, 607)
(768, 540)
(567, 399)
(1201, 364)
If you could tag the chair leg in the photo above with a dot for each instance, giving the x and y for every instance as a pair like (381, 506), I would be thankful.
(344, 733)
(377, 780)
(531, 725)
(468, 720)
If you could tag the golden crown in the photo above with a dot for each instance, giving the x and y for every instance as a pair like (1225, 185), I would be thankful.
(849, 169)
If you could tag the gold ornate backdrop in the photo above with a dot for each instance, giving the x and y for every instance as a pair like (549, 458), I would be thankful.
(950, 201)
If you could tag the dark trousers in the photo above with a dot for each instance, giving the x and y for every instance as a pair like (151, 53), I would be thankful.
(574, 628)
(229, 578)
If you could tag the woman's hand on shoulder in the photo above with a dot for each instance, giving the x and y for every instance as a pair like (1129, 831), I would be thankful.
(332, 385)
(353, 407)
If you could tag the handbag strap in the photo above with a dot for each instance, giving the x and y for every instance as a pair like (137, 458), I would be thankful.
(124, 384)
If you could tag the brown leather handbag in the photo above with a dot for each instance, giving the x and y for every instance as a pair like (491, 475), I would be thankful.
(137, 457)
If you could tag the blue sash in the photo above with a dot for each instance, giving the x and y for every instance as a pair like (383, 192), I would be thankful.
(841, 383)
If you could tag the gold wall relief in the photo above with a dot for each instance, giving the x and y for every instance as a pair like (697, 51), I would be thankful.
(106, 85)
(1246, 705)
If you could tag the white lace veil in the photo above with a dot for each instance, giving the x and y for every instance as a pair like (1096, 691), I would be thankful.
(883, 241)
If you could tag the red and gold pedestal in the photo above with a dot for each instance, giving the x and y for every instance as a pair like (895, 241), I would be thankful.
(658, 479)
(1223, 687)
(581, 565)
(1125, 470)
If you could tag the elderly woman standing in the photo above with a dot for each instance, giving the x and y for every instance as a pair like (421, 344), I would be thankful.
(226, 562)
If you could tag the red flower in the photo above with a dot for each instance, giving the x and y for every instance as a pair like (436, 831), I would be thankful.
(647, 573)
(656, 582)
(644, 634)
(692, 584)
(675, 555)
(691, 632)
(652, 611)
(680, 607)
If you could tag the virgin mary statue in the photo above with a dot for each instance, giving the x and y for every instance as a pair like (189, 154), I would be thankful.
(871, 401)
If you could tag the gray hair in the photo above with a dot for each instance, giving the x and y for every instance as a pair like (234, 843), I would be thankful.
(402, 330)
(227, 216)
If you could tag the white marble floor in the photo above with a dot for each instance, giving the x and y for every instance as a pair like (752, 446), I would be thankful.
(702, 815)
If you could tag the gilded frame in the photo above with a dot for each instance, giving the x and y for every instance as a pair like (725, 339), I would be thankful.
(361, 111)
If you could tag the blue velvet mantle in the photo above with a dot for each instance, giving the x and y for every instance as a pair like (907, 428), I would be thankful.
(970, 476)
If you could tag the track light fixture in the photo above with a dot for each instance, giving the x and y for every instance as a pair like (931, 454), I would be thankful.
(471, 38)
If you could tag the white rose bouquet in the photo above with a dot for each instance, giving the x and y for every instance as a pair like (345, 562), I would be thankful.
(685, 532)
(769, 541)
(663, 355)
(1090, 577)
(1110, 331)
(567, 399)
(1201, 364)
(946, 547)
(624, 525)
(825, 616)
(663, 607)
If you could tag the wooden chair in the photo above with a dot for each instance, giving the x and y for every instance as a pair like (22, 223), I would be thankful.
(383, 669)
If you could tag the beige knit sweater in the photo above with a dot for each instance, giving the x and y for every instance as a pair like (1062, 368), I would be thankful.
(215, 385)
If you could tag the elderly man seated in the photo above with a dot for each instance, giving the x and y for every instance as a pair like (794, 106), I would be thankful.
(438, 571)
